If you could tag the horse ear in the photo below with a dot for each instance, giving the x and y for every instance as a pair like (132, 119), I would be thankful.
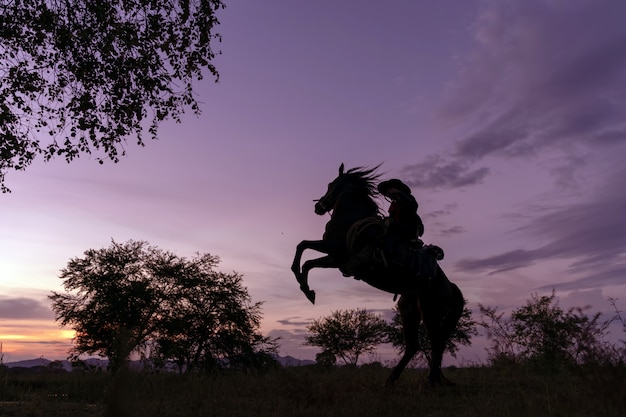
(341, 169)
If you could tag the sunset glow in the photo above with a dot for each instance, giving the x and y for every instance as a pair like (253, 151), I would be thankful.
(506, 118)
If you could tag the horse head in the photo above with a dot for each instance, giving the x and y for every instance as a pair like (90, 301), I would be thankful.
(327, 202)
(352, 180)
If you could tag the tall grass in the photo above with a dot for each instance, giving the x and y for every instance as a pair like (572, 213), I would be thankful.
(311, 391)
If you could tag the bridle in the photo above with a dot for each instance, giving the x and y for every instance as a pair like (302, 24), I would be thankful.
(322, 208)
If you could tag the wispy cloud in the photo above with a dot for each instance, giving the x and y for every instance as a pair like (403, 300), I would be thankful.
(439, 172)
(448, 209)
(591, 235)
(294, 321)
(543, 84)
(506, 261)
(453, 230)
(542, 75)
(23, 308)
(42, 342)
(606, 276)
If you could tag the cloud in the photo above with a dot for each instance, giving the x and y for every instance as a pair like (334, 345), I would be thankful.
(514, 259)
(592, 298)
(604, 277)
(292, 343)
(590, 235)
(438, 172)
(448, 209)
(295, 321)
(22, 308)
(542, 75)
(41, 342)
(537, 57)
(450, 231)
(543, 83)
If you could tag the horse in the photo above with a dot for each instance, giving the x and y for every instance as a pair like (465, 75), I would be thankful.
(435, 301)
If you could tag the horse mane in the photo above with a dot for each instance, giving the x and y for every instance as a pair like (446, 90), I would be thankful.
(366, 178)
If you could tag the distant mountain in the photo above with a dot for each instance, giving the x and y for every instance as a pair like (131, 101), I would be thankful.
(103, 363)
(291, 361)
(29, 363)
(62, 364)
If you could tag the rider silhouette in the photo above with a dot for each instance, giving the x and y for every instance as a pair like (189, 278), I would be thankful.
(404, 228)
(403, 223)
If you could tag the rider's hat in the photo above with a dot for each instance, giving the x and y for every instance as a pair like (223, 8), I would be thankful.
(388, 186)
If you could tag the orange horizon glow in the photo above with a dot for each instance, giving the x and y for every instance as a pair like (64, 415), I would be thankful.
(29, 339)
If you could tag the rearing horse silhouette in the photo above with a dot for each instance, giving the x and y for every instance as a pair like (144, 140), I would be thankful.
(435, 300)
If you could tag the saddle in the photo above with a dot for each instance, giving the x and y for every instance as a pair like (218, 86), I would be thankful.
(377, 257)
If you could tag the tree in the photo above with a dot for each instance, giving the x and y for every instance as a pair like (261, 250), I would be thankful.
(461, 336)
(542, 330)
(78, 76)
(347, 334)
(209, 321)
(132, 297)
(325, 359)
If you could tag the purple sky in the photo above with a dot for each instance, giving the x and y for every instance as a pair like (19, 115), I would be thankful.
(507, 118)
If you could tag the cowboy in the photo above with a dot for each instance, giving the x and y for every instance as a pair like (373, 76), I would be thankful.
(403, 222)
(404, 229)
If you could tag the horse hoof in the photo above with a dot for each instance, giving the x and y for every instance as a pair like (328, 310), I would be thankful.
(310, 295)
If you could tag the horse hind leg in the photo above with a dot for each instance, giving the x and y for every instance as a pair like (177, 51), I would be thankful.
(411, 318)
(440, 330)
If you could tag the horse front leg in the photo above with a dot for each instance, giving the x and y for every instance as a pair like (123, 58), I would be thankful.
(323, 262)
(301, 273)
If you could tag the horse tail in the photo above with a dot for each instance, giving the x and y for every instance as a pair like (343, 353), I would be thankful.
(452, 300)
(454, 310)
(457, 302)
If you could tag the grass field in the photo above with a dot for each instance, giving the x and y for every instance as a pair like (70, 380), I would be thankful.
(310, 391)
